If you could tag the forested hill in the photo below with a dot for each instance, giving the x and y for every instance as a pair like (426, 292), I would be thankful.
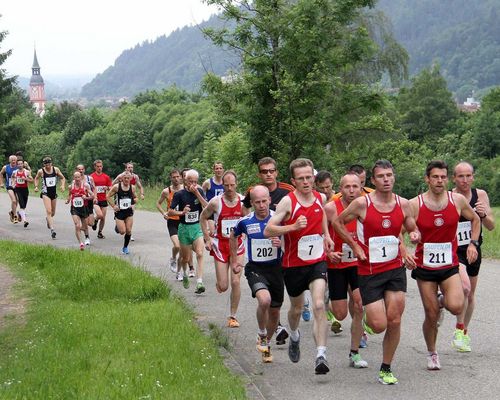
(182, 58)
(462, 35)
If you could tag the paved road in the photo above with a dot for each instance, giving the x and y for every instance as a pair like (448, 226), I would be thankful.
(471, 375)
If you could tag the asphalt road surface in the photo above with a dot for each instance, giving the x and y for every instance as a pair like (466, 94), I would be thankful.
(469, 375)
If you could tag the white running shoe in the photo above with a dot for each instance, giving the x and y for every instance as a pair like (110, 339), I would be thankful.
(173, 265)
(87, 242)
(433, 363)
(180, 276)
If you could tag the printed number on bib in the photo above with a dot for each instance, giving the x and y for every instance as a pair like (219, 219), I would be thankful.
(263, 250)
(383, 248)
(78, 202)
(464, 232)
(347, 253)
(227, 225)
(310, 247)
(192, 216)
(101, 189)
(50, 181)
(437, 254)
(20, 181)
(125, 203)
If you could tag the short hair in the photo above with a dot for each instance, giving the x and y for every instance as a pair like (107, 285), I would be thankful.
(463, 162)
(97, 162)
(356, 168)
(435, 164)
(46, 160)
(19, 153)
(385, 164)
(266, 160)
(193, 173)
(175, 170)
(300, 163)
(229, 172)
(218, 162)
(322, 176)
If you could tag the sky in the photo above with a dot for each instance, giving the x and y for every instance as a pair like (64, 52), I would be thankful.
(85, 37)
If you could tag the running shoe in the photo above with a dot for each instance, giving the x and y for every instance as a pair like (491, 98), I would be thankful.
(200, 288)
(267, 357)
(82, 246)
(441, 309)
(232, 322)
(387, 378)
(15, 219)
(87, 242)
(94, 226)
(11, 216)
(322, 366)
(262, 344)
(100, 235)
(125, 251)
(132, 239)
(26, 223)
(363, 343)
(356, 361)
(281, 335)
(185, 281)
(366, 327)
(306, 312)
(433, 363)
(53, 234)
(466, 348)
(179, 276)
(336, 326)
(460, 343)
(294, 350)
(173, 265)
(191, 273)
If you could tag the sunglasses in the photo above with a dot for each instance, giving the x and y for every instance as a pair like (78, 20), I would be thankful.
(267, 171)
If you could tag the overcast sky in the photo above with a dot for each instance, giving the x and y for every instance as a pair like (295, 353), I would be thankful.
(85, 37)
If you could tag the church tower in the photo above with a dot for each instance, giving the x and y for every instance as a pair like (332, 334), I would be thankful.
(37, 88)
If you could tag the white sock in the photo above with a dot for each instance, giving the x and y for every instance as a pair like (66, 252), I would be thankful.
(262, 332)
(321, 351)
(294, 335)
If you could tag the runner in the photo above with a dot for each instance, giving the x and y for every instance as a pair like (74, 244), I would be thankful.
(102, 184)
(167, 195)
(214, 186)
(463, 178)
(121, 198)
(89, 205)
(381, 275)
(343, 269)
(300, 218)
(78, 195)
(188, 203)
(226, 209)
(134, 180)
(49, 175)
(6, 180)
(268, 177)
(360, 171)
(437, 212)
(20, 178)
(263, 270)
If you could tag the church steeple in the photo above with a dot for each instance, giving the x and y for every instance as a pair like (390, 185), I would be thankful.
(37, 87)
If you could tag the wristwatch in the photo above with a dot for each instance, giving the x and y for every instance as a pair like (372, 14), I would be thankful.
(475, 243)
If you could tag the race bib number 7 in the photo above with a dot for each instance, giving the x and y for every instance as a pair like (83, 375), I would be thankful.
(383, 248)
(310, 247)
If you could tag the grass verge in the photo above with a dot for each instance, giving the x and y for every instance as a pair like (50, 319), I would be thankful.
(98, 328)
(491, 243)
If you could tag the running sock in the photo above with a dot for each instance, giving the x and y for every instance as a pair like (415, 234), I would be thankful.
(262, 332)
(460, 326)
(199, 280)
(321, 351)
(126, 240)
(385, 367)
(294, 335)
(22, 213)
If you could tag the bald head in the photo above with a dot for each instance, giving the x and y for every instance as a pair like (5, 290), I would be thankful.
(350, 187)
(258, 191)
(260, 200)
(463, 166)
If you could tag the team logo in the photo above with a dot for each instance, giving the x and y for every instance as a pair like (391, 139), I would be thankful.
(386, 223)
(439, 221)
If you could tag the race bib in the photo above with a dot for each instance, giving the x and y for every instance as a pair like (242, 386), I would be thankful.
(20, 181)
(101, 189)
(218, 191)
(192, 216)
(51, 181)
(227, 225)
(78, 202)
(310, 247)
(124, 203)
(464, 232)
(347, 254)
(383, 248)
(437, 254)
(263, 250)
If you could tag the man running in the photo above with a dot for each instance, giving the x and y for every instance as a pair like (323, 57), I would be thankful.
(360, 171)
(437, 212)
(134, 180)
(20, 179)
(188, 203)
(214, 187)
(167, 195)
(102, 184)
(122, 205)
(301, 220)
(343, 269)
(89, 205)
(381, 275)
(463, 178)
(263, 270)
(49, 175)
(323, 182)
(6, 180)
(79, 194)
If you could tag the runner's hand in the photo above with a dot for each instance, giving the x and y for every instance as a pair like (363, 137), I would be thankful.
(275, 241)
(409, 261)
(208, 244)
(471, 253)
(335, 256)
(415, 236)
(301, 223)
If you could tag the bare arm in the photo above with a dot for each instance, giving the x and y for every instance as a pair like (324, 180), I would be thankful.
(110, 197)
(409, 221)
(331, 215)
(163, 197)
(233, 251)
(61, 177)
(37, 178)
(283, 209)
(206, 186)
(467, 212)
(356, 209)
(2, 182)
(484, 210)
(207, 212)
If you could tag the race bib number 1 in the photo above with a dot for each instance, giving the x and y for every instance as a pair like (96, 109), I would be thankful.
(347, 254)
(310, 247)
(383, 248)
(437, 254)
(263, 250)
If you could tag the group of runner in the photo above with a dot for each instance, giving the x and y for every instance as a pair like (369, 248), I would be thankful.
(346, 247)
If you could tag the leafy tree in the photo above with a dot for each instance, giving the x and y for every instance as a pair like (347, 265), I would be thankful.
(56, 116)
(39, 146)
(80, 122)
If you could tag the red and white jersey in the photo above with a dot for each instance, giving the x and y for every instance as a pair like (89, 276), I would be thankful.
(304, 247)
(348, 258)
(19, 178)
(378, 236)
(227, 217)
(438, 246)
(101, 182)
(77, 196)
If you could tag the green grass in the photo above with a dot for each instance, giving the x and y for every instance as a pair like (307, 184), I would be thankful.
(151, 196)
(491, 244)
(98, 328)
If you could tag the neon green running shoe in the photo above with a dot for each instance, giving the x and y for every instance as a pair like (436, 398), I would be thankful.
(185, 281)
(387, 378)
(461, 342)
(366, 327)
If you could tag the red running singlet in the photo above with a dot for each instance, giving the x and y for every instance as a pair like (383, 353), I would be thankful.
(348, 258)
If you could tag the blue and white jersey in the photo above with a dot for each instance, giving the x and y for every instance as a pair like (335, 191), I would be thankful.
(259, 248)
